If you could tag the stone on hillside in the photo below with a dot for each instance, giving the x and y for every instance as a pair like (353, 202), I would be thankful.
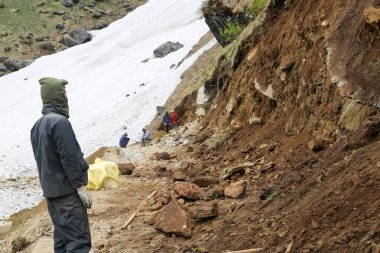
(68, 3)
(202, 210)
(68, 41)
(40, 38)
(215, 193)
(97, 15)
(59, 13)
(167, 48)
(227, 173)
(100, 25)
(317, 145)
(60, 26)
(1, 74)
(47, 46)
(2, 5)
(178, 176)
(205, 181)
(81, 35)
(189, 190)
(173, 219)
(3, 58)
(14, 65)
(235, 190)
(162, 156)
(76, 37)
(126, 168)
(3, 68)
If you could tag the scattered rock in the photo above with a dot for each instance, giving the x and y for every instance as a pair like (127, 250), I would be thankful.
(162, 156)
(202, 210)
(97, 15)
(235, 190)
(59, 13)
(47, 46)
(227, 173)
(68, 3)
(3, 58)
(317, 145)
(167, 48)
(3, 69)
(126, 168)
(189, 190)
(174, 219)
(178, 176)
(205, 181)
(60, 26)
(215, 193)
(100, 25)
(40, 38)
(267, 167)
(14, 65)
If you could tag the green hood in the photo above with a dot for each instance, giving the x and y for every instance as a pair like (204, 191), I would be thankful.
(53, 92)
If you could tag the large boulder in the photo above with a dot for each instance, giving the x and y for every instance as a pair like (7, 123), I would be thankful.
(189, 190)
(167, 48)
(173, 219)
(81, 35)
(14, 65)
(76, 37)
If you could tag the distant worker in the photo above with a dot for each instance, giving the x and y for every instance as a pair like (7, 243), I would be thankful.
(146, 136)
(166, 122)
(124, 139)
(62, 169)
(174, 119)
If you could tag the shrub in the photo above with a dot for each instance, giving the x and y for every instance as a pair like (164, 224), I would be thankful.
(231, 31)
(19, 243)
(256, 6)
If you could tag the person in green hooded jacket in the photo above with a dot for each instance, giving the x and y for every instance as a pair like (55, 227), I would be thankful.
(62, 169)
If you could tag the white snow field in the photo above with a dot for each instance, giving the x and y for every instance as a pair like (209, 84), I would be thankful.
(100, 73)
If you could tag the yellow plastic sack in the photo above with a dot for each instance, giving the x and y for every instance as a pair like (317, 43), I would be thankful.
(103, 174)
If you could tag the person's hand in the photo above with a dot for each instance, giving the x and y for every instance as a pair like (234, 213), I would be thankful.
(84, 197)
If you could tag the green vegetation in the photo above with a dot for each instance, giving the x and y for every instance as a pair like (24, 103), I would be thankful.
(272, 196)
(256, 6)
(19, 243)
(232, 30)
(21, 17)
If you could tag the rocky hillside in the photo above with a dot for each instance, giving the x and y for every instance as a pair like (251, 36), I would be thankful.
(296, 95)
(280, 147)
(30, 29)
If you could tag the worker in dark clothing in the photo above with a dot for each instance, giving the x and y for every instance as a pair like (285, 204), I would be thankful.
(123, 141)
(166, 122)
(62, 170)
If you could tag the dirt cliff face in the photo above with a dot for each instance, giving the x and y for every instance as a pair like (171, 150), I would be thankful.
(299, 89)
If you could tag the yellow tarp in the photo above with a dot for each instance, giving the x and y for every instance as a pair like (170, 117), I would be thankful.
(103, 174)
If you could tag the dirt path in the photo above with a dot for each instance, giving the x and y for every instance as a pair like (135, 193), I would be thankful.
(111, 209)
